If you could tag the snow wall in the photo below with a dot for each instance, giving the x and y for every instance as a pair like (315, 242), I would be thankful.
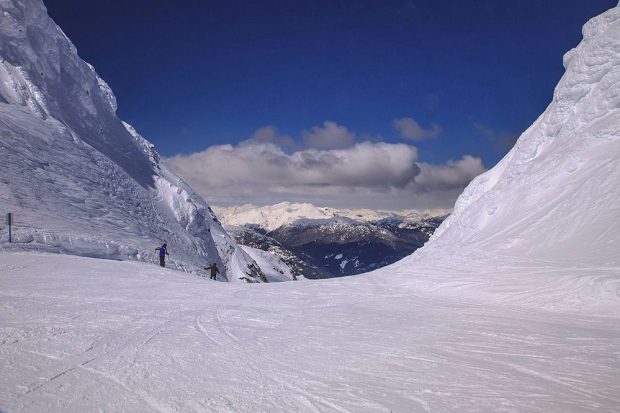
(555, 197)
(78, 179)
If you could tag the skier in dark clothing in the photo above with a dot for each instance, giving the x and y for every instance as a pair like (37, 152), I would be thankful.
(214, 271)
(163, 251)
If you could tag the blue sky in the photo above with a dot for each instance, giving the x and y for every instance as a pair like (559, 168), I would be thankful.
(191, 75)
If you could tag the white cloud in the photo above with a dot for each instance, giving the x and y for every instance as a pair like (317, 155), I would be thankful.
(270, 134)
(264, 164)
(365, 174)
(410, 129)
(329, 136)
(451, 175)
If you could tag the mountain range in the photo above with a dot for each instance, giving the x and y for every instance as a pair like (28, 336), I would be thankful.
(322, 242)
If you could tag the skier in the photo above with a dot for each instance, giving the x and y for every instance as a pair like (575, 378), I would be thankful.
(214, 271)
(163, 251)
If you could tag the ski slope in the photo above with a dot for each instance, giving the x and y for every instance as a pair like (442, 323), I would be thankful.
(513, 306)
(80, 334)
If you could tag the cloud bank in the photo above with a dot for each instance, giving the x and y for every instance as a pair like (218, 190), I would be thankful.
(363, 174)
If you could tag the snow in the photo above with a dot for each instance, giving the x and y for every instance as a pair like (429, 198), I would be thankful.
(554, 197)
(82, 334)
(274, 268)
(78, 179)
(541, 227)
(272, 217)
(514, 305)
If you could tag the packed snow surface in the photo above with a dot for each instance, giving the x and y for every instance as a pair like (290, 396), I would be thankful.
(82, 334)
(513, 306)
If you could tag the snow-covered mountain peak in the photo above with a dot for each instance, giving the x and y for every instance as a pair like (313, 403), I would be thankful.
(272, 217)
(40, 69)
(554, 196)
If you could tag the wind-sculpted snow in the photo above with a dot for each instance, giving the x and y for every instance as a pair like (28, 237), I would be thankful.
(40, 69)
(541, 228)
(79, 180)
(554, 198)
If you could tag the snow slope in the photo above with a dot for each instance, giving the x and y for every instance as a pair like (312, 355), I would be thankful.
(513, 307)
(554, 197)
(77, 178)
(274, 268)
(81, 334)
(552, 202)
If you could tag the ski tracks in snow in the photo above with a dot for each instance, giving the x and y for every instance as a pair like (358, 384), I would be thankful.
(118, 348)
(162, 345)
(204, 331)
(273, 376)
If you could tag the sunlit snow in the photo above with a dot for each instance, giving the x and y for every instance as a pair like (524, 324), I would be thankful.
(514, 305)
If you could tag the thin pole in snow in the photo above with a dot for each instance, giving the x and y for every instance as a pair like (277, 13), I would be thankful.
(9, 221)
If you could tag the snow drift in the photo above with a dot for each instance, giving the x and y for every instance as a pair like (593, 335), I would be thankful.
(555, 194)
(79, 180)
(553, 201)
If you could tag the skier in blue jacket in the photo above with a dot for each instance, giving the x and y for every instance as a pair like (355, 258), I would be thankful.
(163, 251)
